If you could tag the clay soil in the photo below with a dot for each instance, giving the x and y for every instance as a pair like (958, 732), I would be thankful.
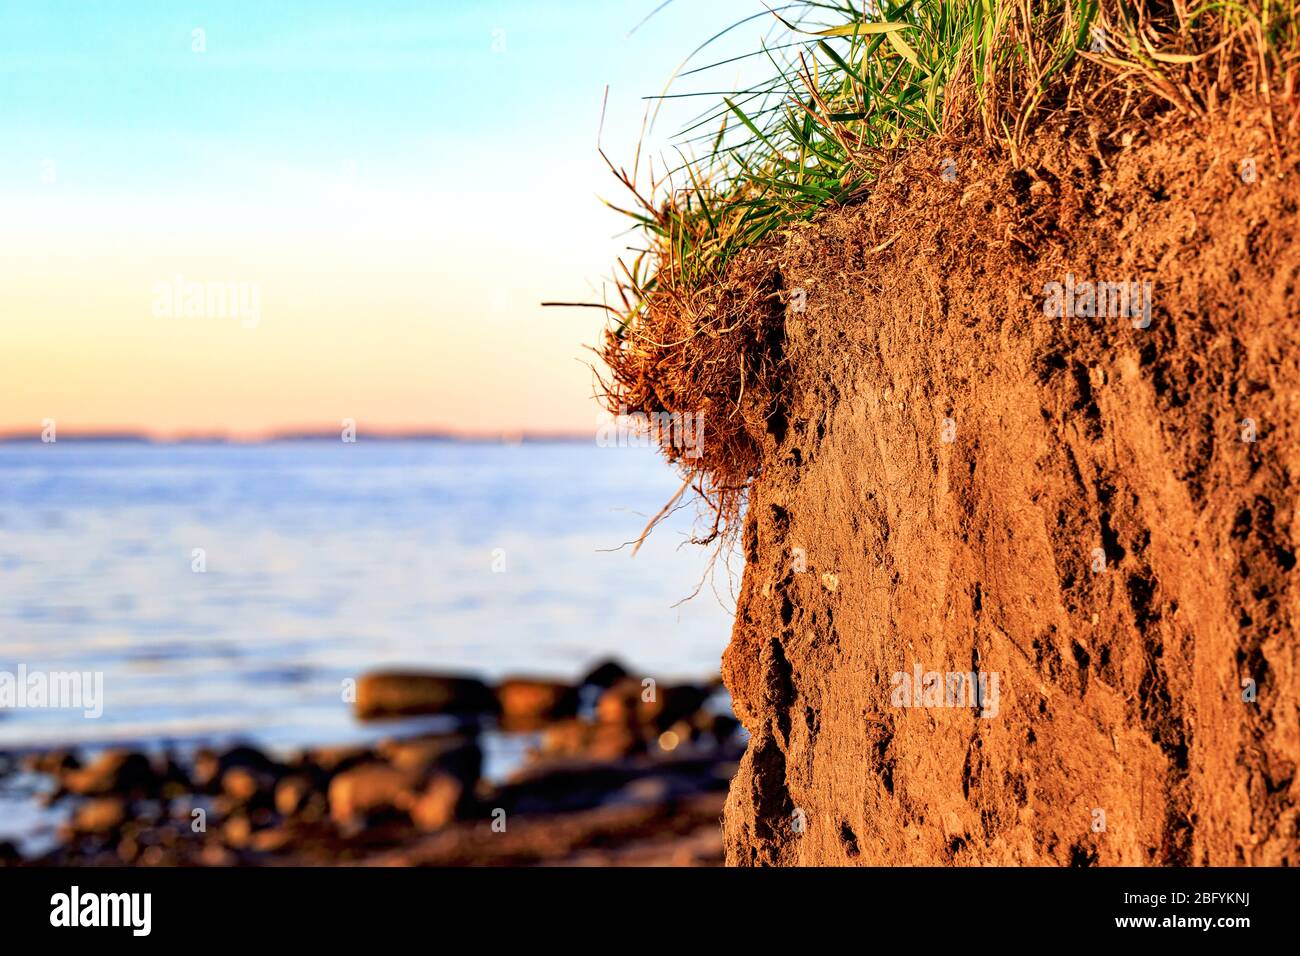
(939, 463)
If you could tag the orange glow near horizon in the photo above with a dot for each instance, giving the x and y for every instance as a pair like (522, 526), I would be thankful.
(385, 323)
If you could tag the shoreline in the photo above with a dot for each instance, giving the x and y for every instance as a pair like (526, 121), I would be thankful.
(616, 773)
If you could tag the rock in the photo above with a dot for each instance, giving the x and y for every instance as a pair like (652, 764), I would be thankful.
(439, 803)
(604, 675)
(405, 693)
(582, 738)
(675, 703)
(244, 786)
(173, 779)
(155, 856)
(237, 831)
(210, 767)
(272, 840)
(453, 753)
(114, 771)
(626, 703)
(619, 703)
(100, 816)
(292, 794)
(371, 790)
(333, 760)
(214, 854)
(54, 763)
(128, 850)
(526, 701)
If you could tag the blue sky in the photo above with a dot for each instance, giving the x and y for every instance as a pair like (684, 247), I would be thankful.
(406, 180)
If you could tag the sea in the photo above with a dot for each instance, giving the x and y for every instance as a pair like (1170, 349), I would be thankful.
(229, 592)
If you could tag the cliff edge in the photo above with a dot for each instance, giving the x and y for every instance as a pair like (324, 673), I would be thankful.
(1020, 541)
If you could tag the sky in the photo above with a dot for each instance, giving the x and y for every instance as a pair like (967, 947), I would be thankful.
(249, 217)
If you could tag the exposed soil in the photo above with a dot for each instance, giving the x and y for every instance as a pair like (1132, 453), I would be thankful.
(880, 536)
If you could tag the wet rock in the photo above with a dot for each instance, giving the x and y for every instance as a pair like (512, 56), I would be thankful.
(237, 831)
(405, 693)
(292, 794)
(631, 702)
(528, 702)
(619, 703)
(128, 850)
(156, 856)
(439, 803)
(582, 738)
(53, 763)
(211, 766)
(244, 786)
(332, 760)
(100, 816)
(371, 791)
(673, 704)
(273, 840)
(114, 771)
(453, 753)
(173, 778)
(605, 674)
(214, 854)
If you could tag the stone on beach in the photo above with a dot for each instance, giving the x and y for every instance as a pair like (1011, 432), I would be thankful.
(53, 762)
(331, 760)
(114, 771)
(410, 693)
(100, 816)
(629, 701)
(347, 803)
(527, 701)
(292, 794)
(582, 738)
(439, 803)
(455, 754)
(244, 785)
(371, 790)
(210, 766)
(605, 674)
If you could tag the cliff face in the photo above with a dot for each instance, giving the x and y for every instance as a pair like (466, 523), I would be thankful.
(1095, 517)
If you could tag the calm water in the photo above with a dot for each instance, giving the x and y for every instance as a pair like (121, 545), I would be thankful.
(325, 560)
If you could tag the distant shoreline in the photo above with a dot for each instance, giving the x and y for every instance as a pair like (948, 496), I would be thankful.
(460, 438)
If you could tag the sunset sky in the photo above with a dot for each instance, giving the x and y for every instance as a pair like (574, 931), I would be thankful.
(400, 183)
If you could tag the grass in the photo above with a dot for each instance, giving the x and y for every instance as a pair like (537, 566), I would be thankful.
(698, 327)
(852, 84)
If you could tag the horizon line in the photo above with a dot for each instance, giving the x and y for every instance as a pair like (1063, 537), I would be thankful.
(504, 436)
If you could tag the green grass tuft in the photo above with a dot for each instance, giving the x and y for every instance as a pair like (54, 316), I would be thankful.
(851, 85)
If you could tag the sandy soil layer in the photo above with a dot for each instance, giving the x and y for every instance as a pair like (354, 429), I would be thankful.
(1096, 512)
